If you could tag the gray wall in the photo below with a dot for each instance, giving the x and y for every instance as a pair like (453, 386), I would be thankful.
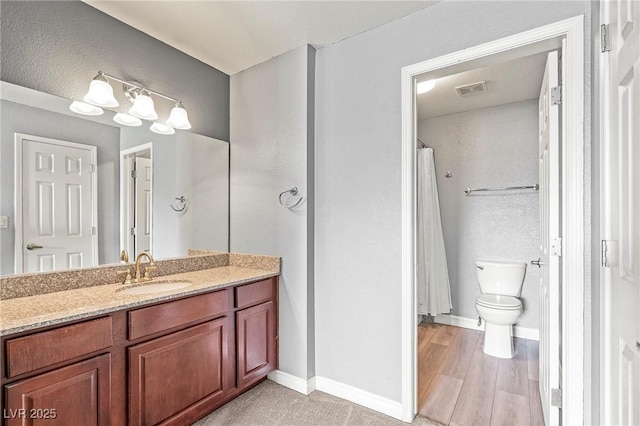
(16, 118)
(484, 148)
(358, 177)
(57, 47)
(271, 151)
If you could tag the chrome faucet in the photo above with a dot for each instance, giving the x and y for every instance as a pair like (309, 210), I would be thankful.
(147, 270)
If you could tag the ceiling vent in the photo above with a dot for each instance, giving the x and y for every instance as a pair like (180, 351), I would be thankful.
(469, 89)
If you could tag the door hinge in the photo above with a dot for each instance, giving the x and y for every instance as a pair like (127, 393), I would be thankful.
(556, 95)
(134, 174)
(92, 168)
(556, 397)
(133, 231)
(604, 254)
(605, 39)
(556, 246)
(94, 230)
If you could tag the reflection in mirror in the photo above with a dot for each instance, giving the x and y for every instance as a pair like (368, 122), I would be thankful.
(110, 210)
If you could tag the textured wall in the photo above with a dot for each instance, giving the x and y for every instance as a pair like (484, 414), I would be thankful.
(489, 147)
(57, 47)
(358, 176)
(38, 122)
(271, 151)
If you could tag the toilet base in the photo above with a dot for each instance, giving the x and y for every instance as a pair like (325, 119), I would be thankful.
(498, 340)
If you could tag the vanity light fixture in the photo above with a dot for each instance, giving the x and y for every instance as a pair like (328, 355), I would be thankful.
(143, 107)
(100, 92)
(162, 129)
(85, 109)
(101, 95)
(425, 86)
(178, 118)
(127, 120)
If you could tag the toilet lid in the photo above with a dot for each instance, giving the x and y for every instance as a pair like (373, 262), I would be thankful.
(498, 301)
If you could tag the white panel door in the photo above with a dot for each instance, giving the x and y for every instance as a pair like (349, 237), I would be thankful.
(143, 205)
(621, 214)
(549, 170)
(57, 205)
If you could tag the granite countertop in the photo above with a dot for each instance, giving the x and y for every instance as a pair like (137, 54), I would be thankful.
(31, 312)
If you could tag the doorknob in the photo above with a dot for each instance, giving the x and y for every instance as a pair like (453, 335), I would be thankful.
(537, 262)
(32, 246)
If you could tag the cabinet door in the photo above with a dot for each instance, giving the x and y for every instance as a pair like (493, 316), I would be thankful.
(169, 375)
(256, 340)
(79, 394)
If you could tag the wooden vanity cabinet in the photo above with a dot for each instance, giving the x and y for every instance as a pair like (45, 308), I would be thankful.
(172, 378)
(167, 363)
(256, 331)
(78, 394)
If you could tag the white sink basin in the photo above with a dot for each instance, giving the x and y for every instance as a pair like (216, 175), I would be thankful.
(155, 287)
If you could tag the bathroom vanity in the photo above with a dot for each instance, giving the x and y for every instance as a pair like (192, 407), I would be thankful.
(97, 356)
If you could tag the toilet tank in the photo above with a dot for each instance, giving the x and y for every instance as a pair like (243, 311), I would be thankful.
(504, 277)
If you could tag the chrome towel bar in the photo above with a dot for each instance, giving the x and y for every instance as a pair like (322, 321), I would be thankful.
(535, 187)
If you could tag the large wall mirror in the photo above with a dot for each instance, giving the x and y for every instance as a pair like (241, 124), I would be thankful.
(76, 190)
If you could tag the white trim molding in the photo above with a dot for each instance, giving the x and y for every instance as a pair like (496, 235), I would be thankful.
(472, 324)
(293, 382)
(570, 33)
(358, 396)
(340, 390)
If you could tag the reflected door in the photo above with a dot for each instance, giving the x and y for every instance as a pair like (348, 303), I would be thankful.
(58, 205)
(143, 206)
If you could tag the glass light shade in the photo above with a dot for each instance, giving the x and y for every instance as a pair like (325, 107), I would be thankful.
(143, 108)
(425, 86)
(162, 129)
(85, 109)
(127, 120)
(178, 118)
(100, 93)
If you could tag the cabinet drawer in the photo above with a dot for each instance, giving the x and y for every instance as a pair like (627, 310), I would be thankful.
(39, 350)
(252, 294)
(154, 319)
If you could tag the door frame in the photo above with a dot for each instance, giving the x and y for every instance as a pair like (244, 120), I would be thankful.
(19, 139)
(125, 189)
(572, 151)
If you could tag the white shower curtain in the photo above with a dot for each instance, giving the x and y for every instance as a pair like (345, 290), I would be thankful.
(434, 294)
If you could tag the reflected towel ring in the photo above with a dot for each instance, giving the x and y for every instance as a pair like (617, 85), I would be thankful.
(293, 191)
(182, 204)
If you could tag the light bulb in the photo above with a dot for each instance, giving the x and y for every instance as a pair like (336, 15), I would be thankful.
(425, 86)
(101, 93)
(127, 120)
(162, 129)
(178, 119)
(143, 107)
(85, 109)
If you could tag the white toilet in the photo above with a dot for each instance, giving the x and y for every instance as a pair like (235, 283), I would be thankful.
(498, 305)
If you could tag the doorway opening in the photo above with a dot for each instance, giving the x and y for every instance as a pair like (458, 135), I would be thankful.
(136, 199)
(565, 37)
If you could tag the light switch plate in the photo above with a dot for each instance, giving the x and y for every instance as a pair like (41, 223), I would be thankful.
(4, 222)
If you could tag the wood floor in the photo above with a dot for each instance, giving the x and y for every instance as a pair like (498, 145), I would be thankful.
(458, 384)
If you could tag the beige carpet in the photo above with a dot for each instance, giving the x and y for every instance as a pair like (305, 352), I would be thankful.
(272, 404)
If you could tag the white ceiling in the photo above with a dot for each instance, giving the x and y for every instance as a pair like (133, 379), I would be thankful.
(235, 35)
(511, 81)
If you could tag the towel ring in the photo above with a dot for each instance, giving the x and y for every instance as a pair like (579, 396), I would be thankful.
(181, 206)
(294, 192)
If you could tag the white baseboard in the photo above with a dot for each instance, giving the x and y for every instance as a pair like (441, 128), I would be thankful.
(472, 323)
(292, 382)
(358, 396)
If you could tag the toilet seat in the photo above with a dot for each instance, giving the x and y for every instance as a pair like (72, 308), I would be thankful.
(497, 301)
